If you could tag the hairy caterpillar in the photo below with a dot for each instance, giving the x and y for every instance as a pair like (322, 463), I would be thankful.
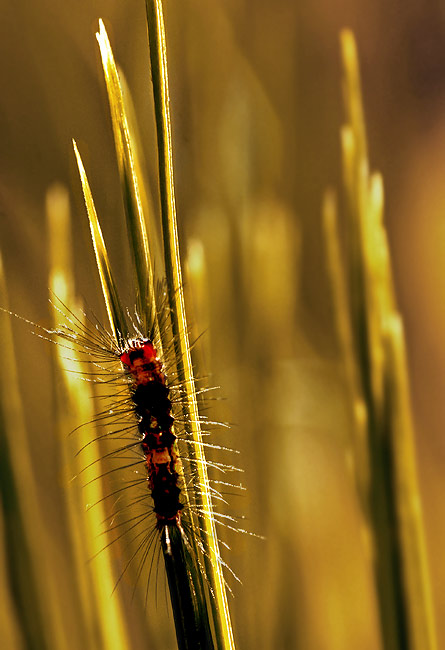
(153, 409)
(146, 404)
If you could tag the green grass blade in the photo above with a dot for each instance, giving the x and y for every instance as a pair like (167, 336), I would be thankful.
(139, 241)
(115, 312)
(176, 299)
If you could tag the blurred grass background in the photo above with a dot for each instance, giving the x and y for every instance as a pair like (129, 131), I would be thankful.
(256, 109)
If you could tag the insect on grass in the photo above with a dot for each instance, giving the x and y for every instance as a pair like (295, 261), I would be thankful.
(144, 421)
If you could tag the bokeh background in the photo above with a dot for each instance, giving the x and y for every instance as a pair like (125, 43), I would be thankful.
(256, 108)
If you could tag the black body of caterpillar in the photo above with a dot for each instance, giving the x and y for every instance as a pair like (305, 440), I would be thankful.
(153, 409)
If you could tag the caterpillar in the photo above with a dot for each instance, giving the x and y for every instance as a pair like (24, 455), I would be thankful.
(153, 410)
(146, 392)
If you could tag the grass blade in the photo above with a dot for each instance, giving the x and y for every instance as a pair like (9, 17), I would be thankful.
(114, 309)
(159, 71)
(103, 617)
(139, 241)
(370, 329)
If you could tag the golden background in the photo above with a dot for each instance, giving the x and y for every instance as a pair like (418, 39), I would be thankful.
(256, 107)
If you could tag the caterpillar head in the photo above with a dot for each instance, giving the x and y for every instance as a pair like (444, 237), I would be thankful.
(140, 357)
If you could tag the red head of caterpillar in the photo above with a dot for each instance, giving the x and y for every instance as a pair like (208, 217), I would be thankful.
(140, 357)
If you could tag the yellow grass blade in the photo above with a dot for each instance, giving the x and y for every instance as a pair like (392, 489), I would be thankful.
(102, 611)
(409, 507)
(176, 298)
(30, 581)
(337, 274)
(381, 385)
(114, 310)
(139, 241)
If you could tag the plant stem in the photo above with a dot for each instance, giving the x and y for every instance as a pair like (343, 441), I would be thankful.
(158, 59)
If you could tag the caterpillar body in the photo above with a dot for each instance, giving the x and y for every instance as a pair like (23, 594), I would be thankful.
(153, 409)
(146, 413)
